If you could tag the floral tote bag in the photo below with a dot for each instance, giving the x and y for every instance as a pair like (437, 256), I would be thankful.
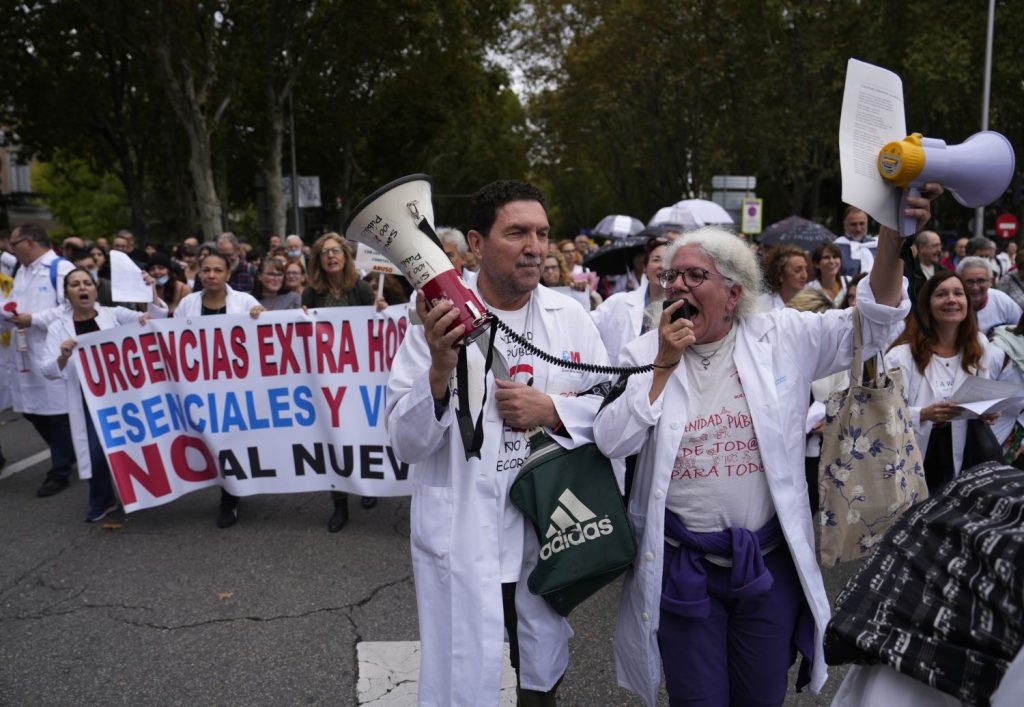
(871, 469)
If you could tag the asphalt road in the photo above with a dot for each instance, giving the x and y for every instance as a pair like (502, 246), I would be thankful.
(163, 608)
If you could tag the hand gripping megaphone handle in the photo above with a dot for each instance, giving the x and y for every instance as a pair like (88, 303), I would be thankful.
(908, 224)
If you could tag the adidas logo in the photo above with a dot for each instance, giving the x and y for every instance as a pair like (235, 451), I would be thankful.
(572, 523)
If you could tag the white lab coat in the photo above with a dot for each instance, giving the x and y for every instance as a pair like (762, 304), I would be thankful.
(619, 319)
(778, 354)
(920, 394)
(236, 303)
(60, 330)
(454, 534)
(33, 292)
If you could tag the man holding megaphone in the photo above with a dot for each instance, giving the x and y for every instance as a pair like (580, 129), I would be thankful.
(472, 550)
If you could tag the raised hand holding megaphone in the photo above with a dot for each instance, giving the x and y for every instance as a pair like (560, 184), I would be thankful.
(976, 172)
(398, 221)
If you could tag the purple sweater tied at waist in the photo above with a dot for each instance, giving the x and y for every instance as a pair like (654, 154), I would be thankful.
(685, 583)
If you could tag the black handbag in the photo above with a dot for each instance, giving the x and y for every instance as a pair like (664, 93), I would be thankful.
(572, 500)
(980, 445)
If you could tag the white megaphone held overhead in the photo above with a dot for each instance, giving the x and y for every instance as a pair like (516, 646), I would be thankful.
(398, 221)
(976, 172)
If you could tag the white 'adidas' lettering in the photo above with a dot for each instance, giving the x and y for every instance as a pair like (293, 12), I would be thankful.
(572, 523)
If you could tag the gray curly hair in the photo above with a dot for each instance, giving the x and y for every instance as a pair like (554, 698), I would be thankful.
(734, 260)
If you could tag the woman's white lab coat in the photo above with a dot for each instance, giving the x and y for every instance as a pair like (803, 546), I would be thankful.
(619, 319)
(455, 541)
(235, 301)
(778, 354)
(920, 392)
(62, 328)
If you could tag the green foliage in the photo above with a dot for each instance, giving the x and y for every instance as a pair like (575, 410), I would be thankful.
(85, 202)
(633, 104)
(643, 102)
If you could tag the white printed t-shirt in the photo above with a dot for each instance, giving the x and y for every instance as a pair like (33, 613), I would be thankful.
(515, 447)
(718, 479)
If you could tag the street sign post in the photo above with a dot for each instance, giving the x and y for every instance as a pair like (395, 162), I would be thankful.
(750, 212)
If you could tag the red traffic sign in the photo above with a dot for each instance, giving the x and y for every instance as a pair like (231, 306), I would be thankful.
(1007, 226)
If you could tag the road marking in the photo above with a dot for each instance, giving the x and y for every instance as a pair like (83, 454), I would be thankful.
(28, 463)
(389, 674)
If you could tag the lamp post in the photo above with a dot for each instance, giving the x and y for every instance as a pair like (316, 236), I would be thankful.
(295, 170)
(979, 214)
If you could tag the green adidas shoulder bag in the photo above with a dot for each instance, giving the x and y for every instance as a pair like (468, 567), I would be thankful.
(572, 499)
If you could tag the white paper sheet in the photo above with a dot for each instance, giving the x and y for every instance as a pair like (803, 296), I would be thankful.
(872, 116)
(978, 396)
(126, 282)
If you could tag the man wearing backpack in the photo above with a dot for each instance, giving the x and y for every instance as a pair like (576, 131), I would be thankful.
(39, 286)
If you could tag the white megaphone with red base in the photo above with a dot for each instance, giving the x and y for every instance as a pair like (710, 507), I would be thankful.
(976, 172)
(398, 221)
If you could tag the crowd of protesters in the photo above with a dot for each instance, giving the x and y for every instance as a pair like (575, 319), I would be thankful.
(940, 316)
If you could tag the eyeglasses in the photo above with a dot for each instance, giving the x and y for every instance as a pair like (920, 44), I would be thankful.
(274, 275)
(978, 283)
(293, 273)
(20, 240)
(331, 251)
(692, 277)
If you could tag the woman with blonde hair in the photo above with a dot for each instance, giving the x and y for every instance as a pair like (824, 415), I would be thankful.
(333, 281)
(786, 271)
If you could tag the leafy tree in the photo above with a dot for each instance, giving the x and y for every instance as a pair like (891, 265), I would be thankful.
(86, 202)
(67, 82)
(638, 104)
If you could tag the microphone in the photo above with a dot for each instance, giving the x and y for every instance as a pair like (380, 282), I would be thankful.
(687, 311)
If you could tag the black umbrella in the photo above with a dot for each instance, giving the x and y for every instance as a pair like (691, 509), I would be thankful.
(797, 231)
(616, 257)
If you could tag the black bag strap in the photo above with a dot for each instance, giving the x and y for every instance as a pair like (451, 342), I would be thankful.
(472, 433)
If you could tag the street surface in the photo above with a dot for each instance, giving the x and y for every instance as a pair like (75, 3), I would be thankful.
(163, 608)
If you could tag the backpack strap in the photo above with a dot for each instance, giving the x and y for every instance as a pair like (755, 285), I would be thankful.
(54, 264)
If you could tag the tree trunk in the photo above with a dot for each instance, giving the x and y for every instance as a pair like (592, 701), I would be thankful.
(200, 164)
(189, 105)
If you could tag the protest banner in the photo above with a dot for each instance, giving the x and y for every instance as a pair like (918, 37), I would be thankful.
(285, 403)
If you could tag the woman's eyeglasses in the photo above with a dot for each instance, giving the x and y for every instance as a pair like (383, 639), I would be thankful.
(692, 277)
